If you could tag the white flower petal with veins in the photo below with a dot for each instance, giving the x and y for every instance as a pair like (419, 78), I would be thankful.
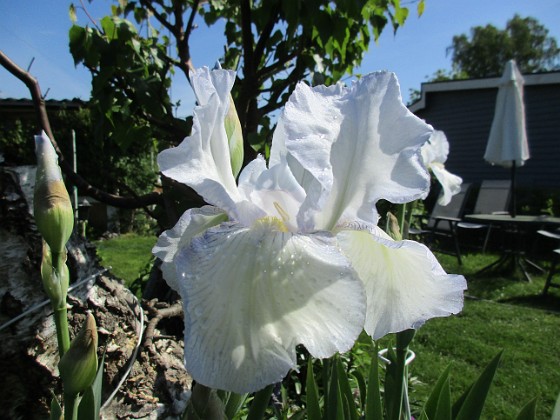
(193, 222)
(405, 285)
(253, 294)
(275, 274)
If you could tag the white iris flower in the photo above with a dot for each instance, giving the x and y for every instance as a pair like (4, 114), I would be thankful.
(291, 254)
(434, 154)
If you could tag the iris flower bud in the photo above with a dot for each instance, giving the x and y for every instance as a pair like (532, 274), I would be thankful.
(393, 229)
(234, 135)
(235, 138)
(55, 279)
(52, 206)
(78, 366)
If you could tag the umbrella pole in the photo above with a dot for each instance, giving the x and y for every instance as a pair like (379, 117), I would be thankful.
(513, 210)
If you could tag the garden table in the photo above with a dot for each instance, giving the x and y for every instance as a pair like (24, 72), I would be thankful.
(513, 254)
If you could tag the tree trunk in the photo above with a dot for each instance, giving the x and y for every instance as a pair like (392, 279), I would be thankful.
(156, 385)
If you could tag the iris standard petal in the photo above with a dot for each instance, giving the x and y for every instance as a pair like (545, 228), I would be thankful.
(405, 285)
(450, 183)
(436, 149)
(252, 294)
(202, 161)
(434, 155)
(273, 190)
(193, 222)
(360, 144)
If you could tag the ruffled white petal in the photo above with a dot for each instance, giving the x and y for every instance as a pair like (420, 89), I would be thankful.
(193, 222)
(252, 294)
(359, 145)
(405, 285)
(202, 161)
(275, 191)
(450, 183)
(436, 149)
(434, 155)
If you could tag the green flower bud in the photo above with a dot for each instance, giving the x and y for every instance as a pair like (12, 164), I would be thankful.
(52, 207)
(393, 229)
(78, 366)
(55, 278)
(234, 135)
(235, 138)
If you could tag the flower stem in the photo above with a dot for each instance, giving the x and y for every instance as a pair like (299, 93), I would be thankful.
(71, 404)
(60, 312)
(404, 338)
(62, 335)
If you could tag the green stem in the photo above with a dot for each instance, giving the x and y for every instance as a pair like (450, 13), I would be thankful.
(404, 338)
(71, 404)
(401, 216)
(60, 312)
(62, 334)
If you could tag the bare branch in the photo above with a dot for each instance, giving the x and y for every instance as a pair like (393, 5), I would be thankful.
(74, 178)
(247, 35)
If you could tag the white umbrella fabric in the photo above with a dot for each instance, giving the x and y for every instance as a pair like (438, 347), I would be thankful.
(507, 144)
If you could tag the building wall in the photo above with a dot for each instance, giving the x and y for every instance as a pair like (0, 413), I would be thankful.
(466, 117)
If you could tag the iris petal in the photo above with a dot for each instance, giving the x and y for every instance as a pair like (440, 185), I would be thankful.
(192, 223)
(202, 161)
(358, 145)
(274, 190)
(450, 183)
(252, 294)
(405, 285)
(434, 154)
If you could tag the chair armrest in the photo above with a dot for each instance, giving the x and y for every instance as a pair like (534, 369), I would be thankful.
(549, 234)
(449, 219)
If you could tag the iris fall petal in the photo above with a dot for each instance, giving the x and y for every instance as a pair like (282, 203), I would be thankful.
(253, 294)
(405, 285)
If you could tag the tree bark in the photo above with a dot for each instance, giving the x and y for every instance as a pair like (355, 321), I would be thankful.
(155, 380)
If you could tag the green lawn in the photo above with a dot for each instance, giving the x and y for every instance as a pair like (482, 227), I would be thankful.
(127, 254)
(501, 313)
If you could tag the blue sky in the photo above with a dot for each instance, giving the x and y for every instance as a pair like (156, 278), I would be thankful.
(39, 28)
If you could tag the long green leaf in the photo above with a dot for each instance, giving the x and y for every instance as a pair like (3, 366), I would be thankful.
(56, 409)
(90, 405)
(313, 407)
(234, 404)
(334, 409)
(431, 406)
(529, 411)
(556, 412)
(360, 380)
(471, 405)
(260, 403)
(443, 411)
(346, 391)
(374, 410)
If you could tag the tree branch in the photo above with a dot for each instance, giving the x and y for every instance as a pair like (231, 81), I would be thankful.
(247, 35)
(44, 124)
(265, 33)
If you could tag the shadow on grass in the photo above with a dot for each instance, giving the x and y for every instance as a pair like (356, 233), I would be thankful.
(547, 302)
(511, 288)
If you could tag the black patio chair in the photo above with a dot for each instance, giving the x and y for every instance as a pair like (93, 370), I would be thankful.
(493, 198)
(555, 260)
(442, 222)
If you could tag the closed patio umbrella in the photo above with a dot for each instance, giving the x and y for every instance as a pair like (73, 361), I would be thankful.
(507, 144)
